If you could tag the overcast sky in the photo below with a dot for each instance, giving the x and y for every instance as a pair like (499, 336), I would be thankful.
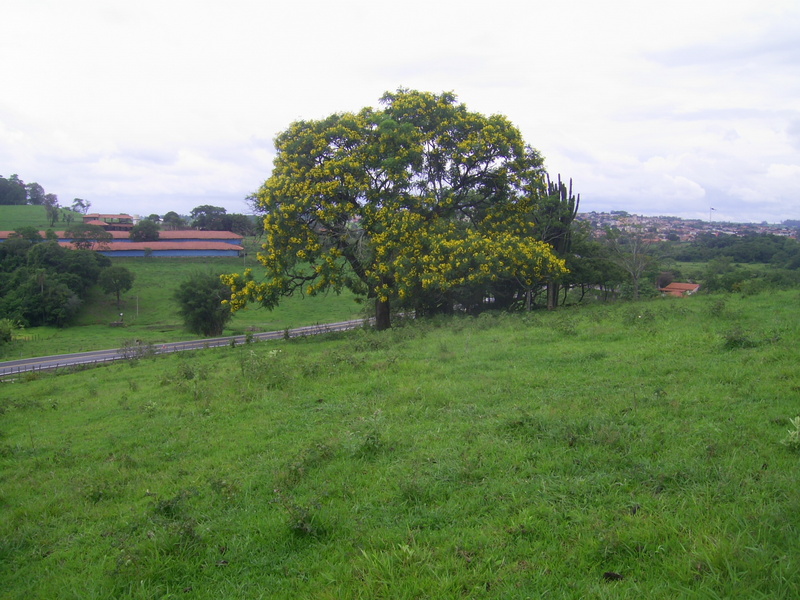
(656, 108)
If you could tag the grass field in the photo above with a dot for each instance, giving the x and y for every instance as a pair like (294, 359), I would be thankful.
(13, 217)
(614, 451)
(151, 315)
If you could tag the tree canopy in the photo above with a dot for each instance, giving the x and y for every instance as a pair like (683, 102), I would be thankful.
(216, 218)
(145, 231)
(13, 191)
(88, 237)
(422, 204)
(42, 283)
(203, 302)
(116, 280)
(173, 221)
(208, 218)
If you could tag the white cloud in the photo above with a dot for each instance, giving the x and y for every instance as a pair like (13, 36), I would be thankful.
(650, 108)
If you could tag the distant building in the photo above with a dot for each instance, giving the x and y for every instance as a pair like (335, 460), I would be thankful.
(109, 222)
(169, 243)
(680, 290)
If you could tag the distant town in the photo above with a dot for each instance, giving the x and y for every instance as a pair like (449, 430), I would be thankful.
(683, 230)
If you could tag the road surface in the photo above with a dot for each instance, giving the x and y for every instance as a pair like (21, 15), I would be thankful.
(15, 367)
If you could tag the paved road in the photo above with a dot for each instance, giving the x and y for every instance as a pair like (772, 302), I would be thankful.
(14, 367)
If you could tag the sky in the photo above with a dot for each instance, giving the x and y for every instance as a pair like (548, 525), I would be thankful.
(656, 108)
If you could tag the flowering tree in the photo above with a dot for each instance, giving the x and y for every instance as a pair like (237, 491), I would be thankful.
(420, 203)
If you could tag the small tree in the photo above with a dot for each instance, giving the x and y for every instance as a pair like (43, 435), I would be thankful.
(80, 205)
(204, 303)
(632, 251)
(145, 231)
(7, 329)
(116, 280)
(51, 207)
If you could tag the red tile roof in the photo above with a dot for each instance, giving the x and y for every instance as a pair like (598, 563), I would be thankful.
(162, 245)
(203, 235)
(681, 289)
(107, 216)
(187, 234)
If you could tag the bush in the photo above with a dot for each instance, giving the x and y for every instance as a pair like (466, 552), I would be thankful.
(203, 303)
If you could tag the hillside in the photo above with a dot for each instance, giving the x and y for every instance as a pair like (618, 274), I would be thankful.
(612, 451)
(13, 217)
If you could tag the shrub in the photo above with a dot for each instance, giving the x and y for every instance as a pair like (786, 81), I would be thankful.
(203, 303)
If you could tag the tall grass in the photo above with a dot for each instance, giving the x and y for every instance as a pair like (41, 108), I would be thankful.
(618, 451)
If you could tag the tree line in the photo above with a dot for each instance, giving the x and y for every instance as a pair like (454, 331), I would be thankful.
(206, 218)
(43, 283)
(779, 250)
(15, 192)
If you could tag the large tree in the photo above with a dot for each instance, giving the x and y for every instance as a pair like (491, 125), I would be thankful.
(208, 218)
(419, 202)
(51, 207)
(173, 221)
(12, 191)
(145, 231)
(35, 193)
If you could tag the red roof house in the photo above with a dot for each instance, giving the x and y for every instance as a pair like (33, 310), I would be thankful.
(680, 290)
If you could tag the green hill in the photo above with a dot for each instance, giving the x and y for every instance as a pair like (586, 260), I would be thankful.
(13, 217)
(616, 451)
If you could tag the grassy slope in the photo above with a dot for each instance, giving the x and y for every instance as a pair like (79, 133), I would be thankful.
(12, 217)
(516, 456)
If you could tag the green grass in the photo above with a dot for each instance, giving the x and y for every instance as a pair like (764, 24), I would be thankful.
(151, 315)
(149, 312)
(13, 217)
(616, 451)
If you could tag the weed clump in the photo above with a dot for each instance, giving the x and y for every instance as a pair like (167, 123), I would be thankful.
(718, 308)
(303, 519)
(265, 368)
(792, 439)
(736, 338)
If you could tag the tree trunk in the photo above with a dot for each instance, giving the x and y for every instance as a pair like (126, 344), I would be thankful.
(382, 315)
(552, 295)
